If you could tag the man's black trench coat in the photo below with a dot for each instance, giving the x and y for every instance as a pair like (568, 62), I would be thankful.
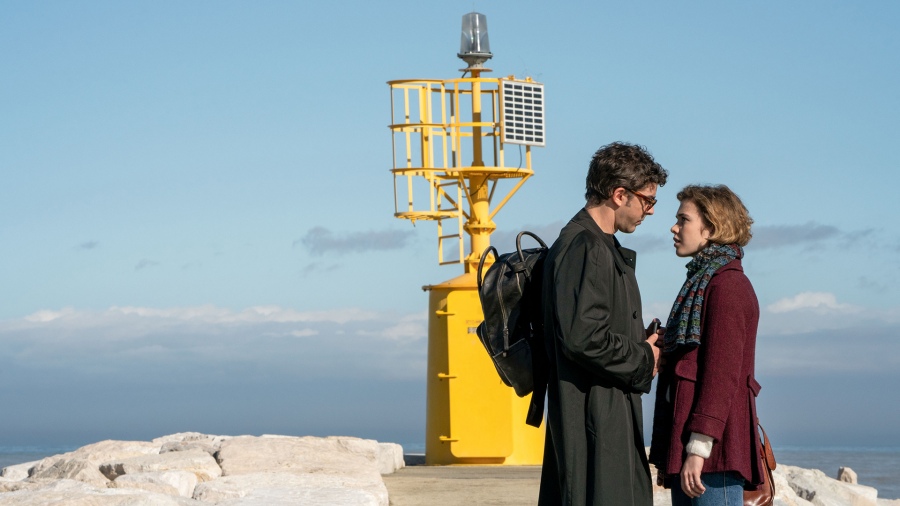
(599, 366)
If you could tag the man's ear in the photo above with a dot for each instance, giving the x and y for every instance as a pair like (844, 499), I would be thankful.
(620, 196)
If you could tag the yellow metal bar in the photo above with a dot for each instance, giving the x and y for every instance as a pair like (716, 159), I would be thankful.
(425, 116)
(440, 230)
(508, 196)
(409, 189)
(459, 222)
(408, 132)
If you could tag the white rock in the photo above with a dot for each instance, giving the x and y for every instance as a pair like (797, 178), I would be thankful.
(390, 458)
(821, 490)
(180, 483)
(784, 494)
(83, 464)
(109, 450)
(189, 437)
(351, 462)
(189, 441)
(275, 489)
(7, 485)
(18, 472)
(76, 493)
(87, 471)
(246, 454)
(847, 475)
(662, 497)
(196, 461)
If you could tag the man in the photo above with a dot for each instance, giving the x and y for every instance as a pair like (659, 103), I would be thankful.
(600, 358)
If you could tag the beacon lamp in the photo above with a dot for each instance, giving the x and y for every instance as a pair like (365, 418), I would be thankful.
(474, 46)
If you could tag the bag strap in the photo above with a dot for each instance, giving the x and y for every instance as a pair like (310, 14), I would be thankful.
(766, 449)
(484, 255)
(519, 243)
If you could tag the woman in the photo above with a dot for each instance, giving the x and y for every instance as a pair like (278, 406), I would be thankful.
(704, 425)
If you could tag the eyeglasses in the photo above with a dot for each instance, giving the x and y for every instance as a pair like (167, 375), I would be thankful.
(648, 202)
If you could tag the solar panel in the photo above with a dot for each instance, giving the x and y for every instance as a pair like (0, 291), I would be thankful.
(522, 113)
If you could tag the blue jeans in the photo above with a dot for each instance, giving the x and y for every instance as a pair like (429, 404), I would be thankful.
(722, 489)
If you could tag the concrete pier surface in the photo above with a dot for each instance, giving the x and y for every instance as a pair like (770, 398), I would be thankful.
(420, 485)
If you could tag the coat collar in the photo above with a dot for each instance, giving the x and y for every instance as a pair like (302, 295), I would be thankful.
(622, 256)
(734, 265)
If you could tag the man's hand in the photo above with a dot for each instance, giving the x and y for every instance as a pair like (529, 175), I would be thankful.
(653, 346)
(690, 476)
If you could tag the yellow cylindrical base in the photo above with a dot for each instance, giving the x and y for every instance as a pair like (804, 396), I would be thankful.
(471, 416)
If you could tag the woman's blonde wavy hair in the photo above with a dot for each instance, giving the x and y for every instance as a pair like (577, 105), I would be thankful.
(722, 211)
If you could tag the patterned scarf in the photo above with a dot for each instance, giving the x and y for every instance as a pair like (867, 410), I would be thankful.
(683, 326)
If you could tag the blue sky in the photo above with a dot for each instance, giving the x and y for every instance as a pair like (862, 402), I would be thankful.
(196, 209)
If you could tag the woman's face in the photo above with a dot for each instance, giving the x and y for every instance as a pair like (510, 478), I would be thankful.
(690, 232)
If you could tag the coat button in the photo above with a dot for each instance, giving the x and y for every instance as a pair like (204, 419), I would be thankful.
(634, 315)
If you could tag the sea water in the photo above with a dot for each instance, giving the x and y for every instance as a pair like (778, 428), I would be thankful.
(12, 455)
(874, 467)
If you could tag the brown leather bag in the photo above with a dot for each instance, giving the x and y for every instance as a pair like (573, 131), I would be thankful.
(765, 494)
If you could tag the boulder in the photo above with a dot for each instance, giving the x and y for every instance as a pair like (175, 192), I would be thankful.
(197, 461)
(784, 494)
(186, 437)
(83, 464)
(821, 490)
(87, 471)
(7, 485)
(177, 483)
(78, 493)
(332, 455)
(847, 475)
(390, 458)
(279, 488)
(348, 462)
(190, 441)
(18, 472)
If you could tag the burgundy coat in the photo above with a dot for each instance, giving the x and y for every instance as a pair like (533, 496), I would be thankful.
(712, 389)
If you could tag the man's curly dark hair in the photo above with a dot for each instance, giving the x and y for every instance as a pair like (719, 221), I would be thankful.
(624, 165)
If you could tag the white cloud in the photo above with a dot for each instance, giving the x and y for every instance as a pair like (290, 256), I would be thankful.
(409, 328)
(823, 301)
(840, 351)
(320, 240)
(207, 314)
(44, 316)
(132, 340)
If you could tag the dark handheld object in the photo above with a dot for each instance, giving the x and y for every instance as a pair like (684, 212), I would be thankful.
(654, 326)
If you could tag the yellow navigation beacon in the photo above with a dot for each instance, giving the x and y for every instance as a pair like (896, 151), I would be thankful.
(451, 165)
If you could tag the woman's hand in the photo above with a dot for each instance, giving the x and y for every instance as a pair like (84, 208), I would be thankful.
(690, 476)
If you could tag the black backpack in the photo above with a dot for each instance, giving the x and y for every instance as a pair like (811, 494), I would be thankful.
(513, 328)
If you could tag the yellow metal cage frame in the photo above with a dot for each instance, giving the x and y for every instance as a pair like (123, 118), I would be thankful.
(430, 140)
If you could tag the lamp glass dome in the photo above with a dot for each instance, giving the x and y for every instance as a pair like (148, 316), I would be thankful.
(474, 35)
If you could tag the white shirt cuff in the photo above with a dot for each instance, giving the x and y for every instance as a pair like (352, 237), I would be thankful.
(700, 445)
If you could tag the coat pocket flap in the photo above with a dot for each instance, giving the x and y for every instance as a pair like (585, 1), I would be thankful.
(686, 369)
(755, 387)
